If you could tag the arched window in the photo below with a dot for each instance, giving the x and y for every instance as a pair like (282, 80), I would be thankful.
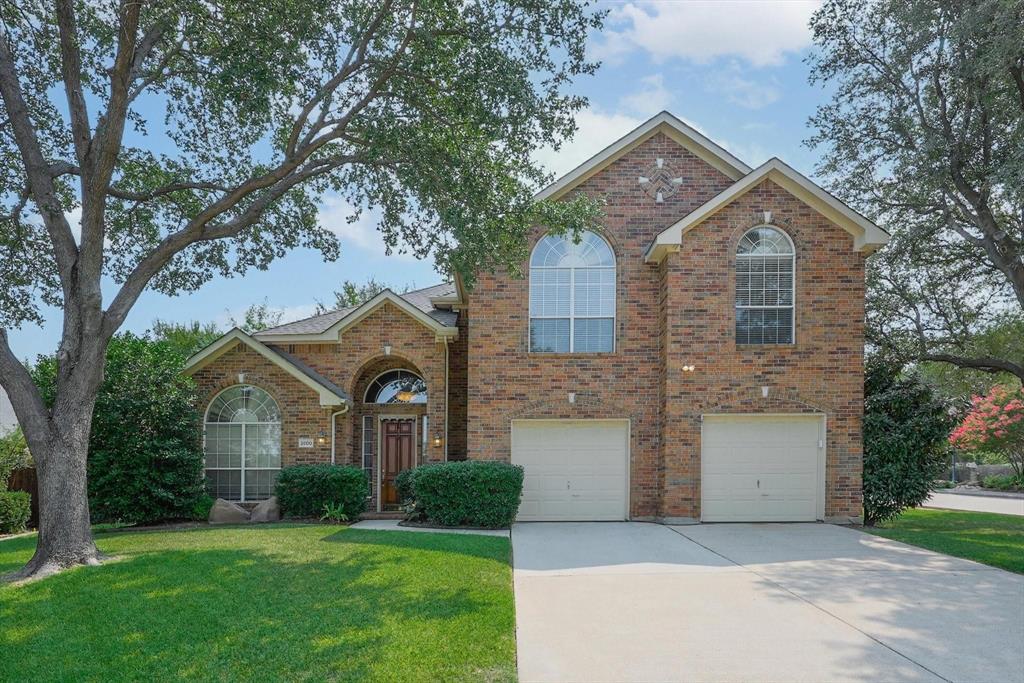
(397, 386)
(765, 287)
(242, 444)
(572, 295)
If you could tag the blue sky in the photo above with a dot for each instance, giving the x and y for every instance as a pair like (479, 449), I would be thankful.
(734, 70)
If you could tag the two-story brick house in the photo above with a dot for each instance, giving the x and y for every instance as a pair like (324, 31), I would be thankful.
(697, 356)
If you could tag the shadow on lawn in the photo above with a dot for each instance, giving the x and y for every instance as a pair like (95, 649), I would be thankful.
(485, 547)
(219, 613)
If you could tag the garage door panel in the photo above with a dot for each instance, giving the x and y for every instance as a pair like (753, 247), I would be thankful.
(760, 468)
(574, 470)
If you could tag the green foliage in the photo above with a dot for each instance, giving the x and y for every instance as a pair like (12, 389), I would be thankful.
(1004, 482)
(15, 509)
(470, 493)
(304, 490)
(401, 106)
(923, 135)
(185, 338)
(333, 513)
(201, 509)
(145, 463)
(258, 317)
(905, 449)
(13, 455)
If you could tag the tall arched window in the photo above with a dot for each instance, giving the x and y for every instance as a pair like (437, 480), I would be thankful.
(242, 444)
(572, 295)
(765, 287)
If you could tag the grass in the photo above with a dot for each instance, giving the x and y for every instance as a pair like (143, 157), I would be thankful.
(996, 540)
(278, 602)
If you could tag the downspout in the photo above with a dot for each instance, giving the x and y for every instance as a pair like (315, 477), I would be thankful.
(447, 398)
(334, 430)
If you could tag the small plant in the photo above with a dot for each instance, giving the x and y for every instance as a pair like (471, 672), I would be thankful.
(201, 510)
(943, 484)
(333, 513)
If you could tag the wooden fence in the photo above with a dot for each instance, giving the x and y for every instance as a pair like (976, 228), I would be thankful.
(25, 480)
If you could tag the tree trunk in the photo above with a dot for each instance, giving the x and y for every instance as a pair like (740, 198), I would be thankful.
(65, 537)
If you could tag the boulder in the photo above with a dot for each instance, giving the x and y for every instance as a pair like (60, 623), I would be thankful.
(266, 511)
(224, 512)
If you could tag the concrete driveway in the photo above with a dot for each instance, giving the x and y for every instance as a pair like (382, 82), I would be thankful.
(756, 602)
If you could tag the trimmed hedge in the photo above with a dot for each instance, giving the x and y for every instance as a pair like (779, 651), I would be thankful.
(304, 490)
(15, 509)
(469, 493)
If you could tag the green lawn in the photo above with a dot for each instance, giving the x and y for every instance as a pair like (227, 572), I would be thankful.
(279, 602)
(997, 540)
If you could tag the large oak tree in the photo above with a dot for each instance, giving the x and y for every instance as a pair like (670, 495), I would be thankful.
(193, 138)
(925, 134)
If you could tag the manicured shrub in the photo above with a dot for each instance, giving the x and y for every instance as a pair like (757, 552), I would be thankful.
(304, 490)
(470, 493)
(145, 458)
(905, 449)
(15, 509)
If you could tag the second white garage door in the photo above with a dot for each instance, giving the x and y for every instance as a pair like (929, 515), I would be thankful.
(762, 468)
(575, 470)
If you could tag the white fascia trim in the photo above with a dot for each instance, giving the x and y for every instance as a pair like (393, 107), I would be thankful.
(387, 296)
(689, 137)
(227, 342)
(868, 237)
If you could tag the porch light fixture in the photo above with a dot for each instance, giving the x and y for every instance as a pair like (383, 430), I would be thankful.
(437, 441)
(387, 349)
(241, 378)
(321, 438)
(688, 368)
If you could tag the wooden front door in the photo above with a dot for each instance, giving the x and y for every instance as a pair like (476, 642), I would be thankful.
(398, 453)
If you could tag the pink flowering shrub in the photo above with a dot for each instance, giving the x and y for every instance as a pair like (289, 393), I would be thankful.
(995, 423)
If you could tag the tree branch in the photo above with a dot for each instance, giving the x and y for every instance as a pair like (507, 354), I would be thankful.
(983, 363)
(71, 72)
(28, 404)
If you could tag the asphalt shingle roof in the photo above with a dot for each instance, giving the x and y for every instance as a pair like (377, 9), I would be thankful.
(419, 298)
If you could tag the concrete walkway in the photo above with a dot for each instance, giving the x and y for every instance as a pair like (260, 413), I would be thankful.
(392, 525)
(744, 602)
(976, 502)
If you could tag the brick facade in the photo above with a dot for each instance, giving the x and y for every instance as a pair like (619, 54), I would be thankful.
(674, 313)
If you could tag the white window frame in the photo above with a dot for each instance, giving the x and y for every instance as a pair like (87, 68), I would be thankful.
(572, 317)
(242, 468)
(792, 295)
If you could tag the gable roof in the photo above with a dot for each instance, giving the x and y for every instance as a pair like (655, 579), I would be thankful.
(418, 304)
(868, 237)
(330, 393)
(687, 136)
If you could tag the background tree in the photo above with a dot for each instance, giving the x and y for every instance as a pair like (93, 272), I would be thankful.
(353, 294)
(428, 110)
(257, 317)
(906, 426)
(185, 338)
(925, 135)
(145, 463)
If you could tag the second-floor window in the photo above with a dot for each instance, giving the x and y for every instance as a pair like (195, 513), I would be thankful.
(765, 287)
(572, 295)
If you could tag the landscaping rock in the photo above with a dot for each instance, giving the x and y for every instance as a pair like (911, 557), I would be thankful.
(267, 511)
(224, 512)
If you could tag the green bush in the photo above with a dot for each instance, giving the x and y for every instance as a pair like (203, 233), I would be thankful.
(201, 510)
(13, 454)
(145, 461)
(906, 427)
(1003, 482)
(15, 509)
(471, 493)
(304, 490)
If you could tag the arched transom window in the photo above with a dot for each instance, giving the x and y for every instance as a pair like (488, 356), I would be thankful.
(572, 295)
(242, 444)
(765, 287)
(397, 386)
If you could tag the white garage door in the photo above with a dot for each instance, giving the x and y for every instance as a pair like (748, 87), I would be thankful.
(576, 470)
(762, 468)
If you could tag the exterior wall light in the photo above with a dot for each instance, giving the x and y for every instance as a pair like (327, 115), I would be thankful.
(688, 368)
(321, 438)
(764, 392)
(572, 397)
(437, 441)
(241, 378)
(387, 349)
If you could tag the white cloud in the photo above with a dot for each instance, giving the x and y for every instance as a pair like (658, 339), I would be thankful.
(753, 92)
(334, 215)
(595, 131)
(761, 33)
(651, 98)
